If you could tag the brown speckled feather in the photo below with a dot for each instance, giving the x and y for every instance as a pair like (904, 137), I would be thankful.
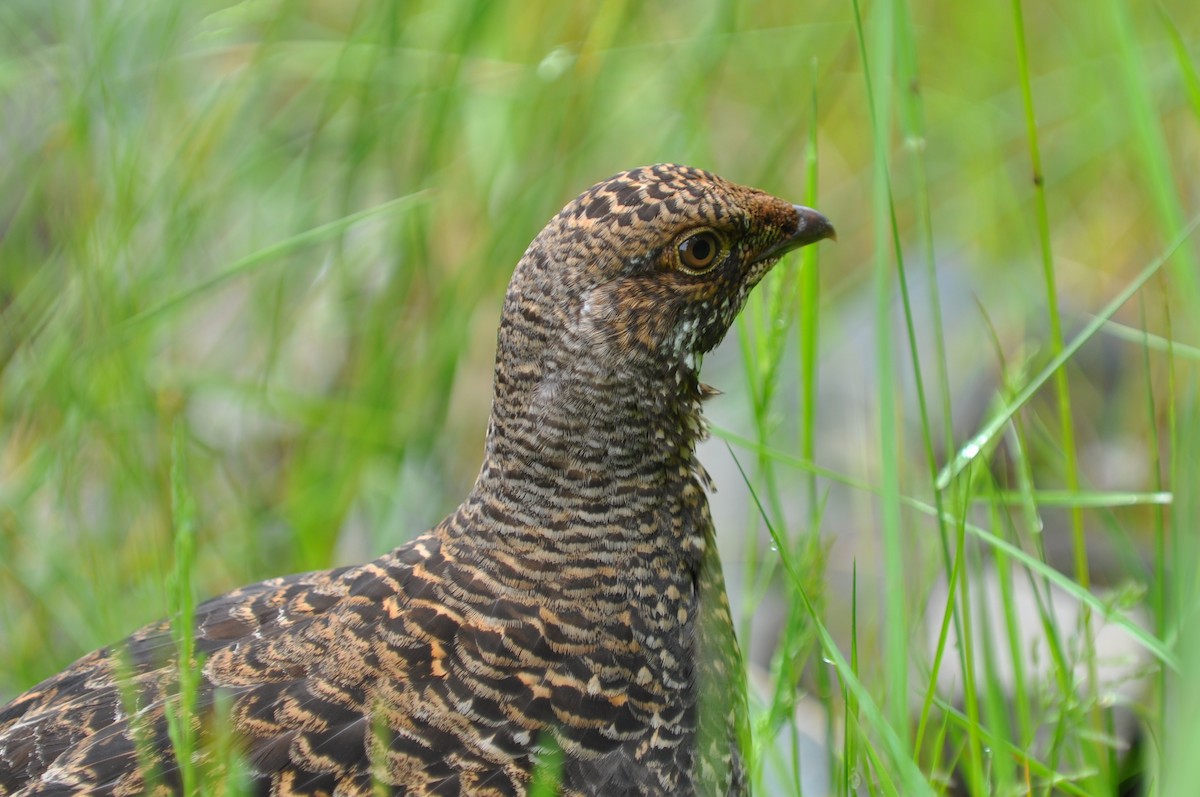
(574, 600)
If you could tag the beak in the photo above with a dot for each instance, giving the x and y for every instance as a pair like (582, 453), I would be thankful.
(811, 227)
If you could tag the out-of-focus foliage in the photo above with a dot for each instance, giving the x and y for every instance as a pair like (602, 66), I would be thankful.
(286, 226)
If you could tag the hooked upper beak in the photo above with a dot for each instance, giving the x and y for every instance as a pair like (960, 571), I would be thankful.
(811, 227)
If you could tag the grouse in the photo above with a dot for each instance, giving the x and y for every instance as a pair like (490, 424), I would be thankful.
(571, 609)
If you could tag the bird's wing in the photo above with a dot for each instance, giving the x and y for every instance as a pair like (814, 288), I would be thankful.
(80, 725)
(402, 671)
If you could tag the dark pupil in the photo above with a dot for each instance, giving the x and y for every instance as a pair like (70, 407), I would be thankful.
(700, 249)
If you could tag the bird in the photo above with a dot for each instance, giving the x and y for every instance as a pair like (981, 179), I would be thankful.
(572, 609)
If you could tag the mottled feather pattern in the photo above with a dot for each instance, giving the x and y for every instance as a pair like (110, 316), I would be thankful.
(573, 601)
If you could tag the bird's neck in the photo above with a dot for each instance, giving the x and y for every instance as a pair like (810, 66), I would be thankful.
(582, 447)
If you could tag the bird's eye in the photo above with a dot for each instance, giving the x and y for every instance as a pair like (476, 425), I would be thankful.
(698, 252)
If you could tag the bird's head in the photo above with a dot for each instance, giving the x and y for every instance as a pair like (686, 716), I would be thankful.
(650, 266)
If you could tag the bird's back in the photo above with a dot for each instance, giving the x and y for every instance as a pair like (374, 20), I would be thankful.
(423, 671)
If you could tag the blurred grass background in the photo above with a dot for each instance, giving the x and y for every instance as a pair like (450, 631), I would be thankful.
(284, 227)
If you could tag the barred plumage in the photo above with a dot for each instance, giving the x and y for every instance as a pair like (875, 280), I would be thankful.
(574, 599)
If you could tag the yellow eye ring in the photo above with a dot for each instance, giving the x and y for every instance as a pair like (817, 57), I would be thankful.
(698, 251)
